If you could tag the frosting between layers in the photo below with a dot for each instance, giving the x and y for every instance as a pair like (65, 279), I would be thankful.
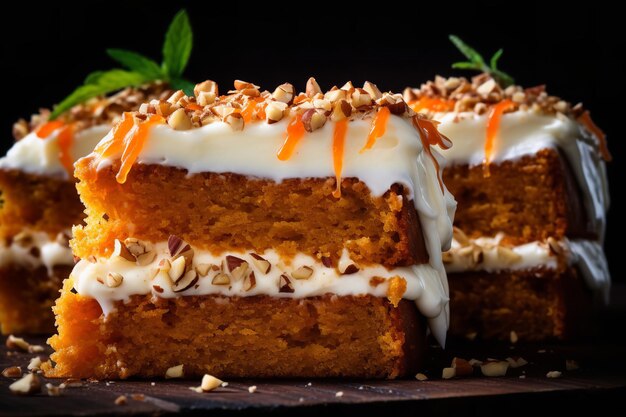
(39, 250)
(424, 283)
(35, 155)
(525, 133)
(486, 254)
(396, 157)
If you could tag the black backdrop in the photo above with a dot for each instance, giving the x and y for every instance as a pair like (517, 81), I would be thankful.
(579, 53)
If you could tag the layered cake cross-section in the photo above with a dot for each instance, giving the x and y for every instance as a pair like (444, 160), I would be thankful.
(528, 172)
(259, 234)
(39, 204)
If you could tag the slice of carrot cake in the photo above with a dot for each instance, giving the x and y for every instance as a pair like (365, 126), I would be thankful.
(258, 234)
(39, 204)
(528, 171)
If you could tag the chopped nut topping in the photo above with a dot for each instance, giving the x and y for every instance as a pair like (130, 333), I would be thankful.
(462, 367)
(350, 269)
(203, 269)
(312, 88)
(34, 364)
(221, 279)
(177, 269)
(236, 266)
(313, 120)
(114, 280)
(284, 284)
(187, 281)
(275, 111)
(303, 272)
(121, 400)
(554, 374)
(494, 368)
(252, 389)
(517, 362)
(421, 377)
(54, 390)
(174, 372)
(35, 349)
(27, 385)
(339, 394)
(12, 372)
(448, 373)
(179, 120)
(284, 93)
(249, 282)
(261, 263)
(17, 343)
(209, 383)
(120, 249)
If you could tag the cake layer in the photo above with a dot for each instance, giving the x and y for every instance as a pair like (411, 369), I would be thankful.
(37, 202)
(528, 199)
(225, 212)
(236, 337)
(538, 304)
(27, 296)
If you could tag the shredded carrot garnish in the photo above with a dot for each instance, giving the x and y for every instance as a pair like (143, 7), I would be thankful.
(115, 144)
(430, 136)
(134, 145)
(493, 127)
(194, 107)
(585, 120)
(379, 125)
(260, 114)
(339, 140)
(432, 104)
(47, 128)
(295, 132)
(65, 142)
(248, 110)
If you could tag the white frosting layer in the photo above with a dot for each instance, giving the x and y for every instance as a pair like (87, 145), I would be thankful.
(424, 283)
(396, 157)
(586, 255)
(526, 256)
(35, 155)
(524, 133)
(40, 250)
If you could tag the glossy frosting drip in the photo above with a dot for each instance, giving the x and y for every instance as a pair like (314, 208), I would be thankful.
(524, 133)
(396, 157)
(34, 249)
(488, 254)
(424, 283)
(35, 155)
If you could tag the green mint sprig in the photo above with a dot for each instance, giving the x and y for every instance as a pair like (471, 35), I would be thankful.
(476, 62)
(139, 69)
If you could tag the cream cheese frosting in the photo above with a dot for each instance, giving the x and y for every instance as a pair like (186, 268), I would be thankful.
(397, 157)
(524, 133)
(40, 156)
(36, 249)
(488, 254)
(424, 283)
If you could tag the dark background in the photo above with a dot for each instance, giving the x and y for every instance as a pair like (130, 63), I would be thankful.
(47, 49)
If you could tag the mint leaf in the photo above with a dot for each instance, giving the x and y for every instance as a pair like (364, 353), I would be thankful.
(469, 52)
(102, 82)
(136, 62)
(93, 77)
(177, 46)
(476, 62)
(493, 63)
(182, 84)
(465, 65)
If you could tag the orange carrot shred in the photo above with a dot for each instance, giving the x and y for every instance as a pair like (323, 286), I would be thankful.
(593, 128)
(65, 142)
(194, 107)
(116, 143)
(47, 128)
(339, 140)
(430, 136)
(134, 145)
(248, 111)
(432, 104)
(295, 132)
(379, 125)
(493, 128)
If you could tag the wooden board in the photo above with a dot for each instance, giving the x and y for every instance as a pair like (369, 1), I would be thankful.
(600, 381)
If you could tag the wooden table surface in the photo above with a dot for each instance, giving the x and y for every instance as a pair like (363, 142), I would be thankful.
(596, 387)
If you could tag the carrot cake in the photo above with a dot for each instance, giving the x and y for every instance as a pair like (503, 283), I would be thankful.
(258, 234)
(39, 205)
(528, 172)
